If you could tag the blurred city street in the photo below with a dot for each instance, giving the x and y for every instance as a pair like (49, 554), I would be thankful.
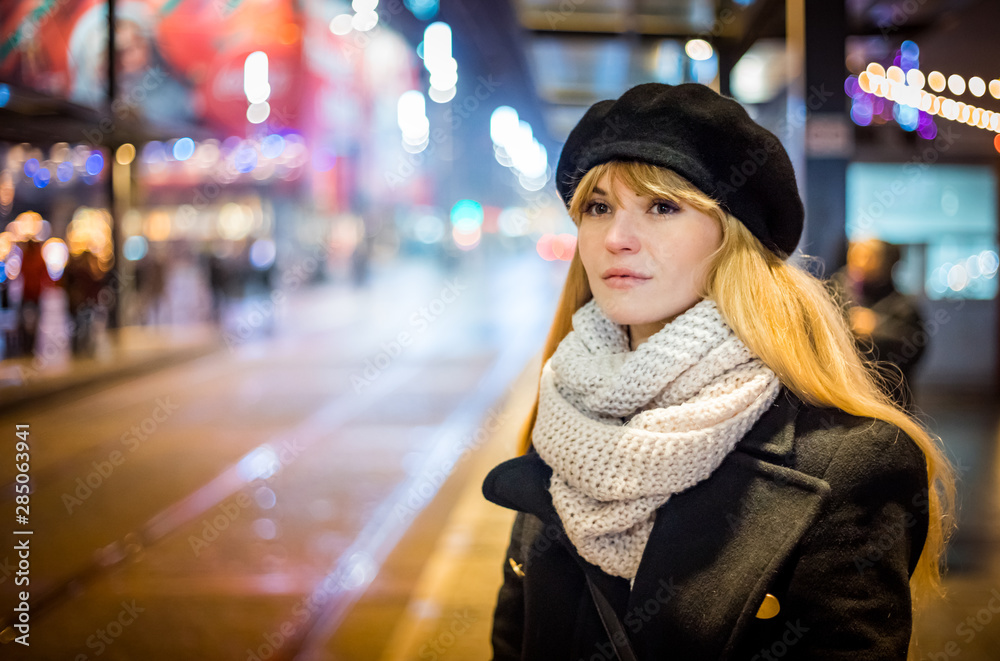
(242, 480)
(277, 278)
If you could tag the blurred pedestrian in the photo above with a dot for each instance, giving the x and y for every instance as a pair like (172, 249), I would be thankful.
(886, 323)
(709, 465)
(218, 283)
(35, 279)
(83, 280)
(150, 283)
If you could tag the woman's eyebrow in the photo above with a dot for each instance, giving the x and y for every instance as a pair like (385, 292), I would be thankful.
(599, 191)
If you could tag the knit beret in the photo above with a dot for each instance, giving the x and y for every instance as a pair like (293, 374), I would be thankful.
(708, 139)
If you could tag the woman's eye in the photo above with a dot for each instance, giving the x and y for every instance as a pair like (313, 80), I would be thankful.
(597, 208)
(665, 207)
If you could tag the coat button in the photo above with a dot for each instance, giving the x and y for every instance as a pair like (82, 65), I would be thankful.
(769, 607)
(516, 567)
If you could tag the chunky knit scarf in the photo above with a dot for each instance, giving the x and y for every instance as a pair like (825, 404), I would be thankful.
(624, 430)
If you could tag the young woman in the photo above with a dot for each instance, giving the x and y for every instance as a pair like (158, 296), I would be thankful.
(710, 470)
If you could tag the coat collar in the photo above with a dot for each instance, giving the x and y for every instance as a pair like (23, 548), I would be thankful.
(706, 579)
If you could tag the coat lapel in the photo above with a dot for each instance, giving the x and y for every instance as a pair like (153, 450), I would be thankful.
(714, 548)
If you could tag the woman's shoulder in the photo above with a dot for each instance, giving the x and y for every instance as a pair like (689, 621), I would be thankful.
(833, 443)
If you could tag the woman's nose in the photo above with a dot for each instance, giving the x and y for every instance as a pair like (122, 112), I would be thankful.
(621, 234)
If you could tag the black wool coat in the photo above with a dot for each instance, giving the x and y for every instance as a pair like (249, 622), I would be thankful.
(818, 512)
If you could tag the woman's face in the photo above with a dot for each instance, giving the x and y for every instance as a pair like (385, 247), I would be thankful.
(666, 244)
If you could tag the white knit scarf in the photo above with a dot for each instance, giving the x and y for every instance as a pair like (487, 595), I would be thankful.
(624, 430)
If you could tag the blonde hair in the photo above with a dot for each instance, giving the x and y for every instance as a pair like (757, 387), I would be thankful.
(787, 318)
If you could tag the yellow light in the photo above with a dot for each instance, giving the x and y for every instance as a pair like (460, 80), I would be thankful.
(966, 113)
(977, 86)
(937, 81)
(995, 88)
(915, 78)
(984, 119)
(125, 154)
(864, 82)
(926, 101)
(27, 224)
(6, 241)
(698, 49)
(876, 69)
(158, 226)
(956, 84)
(975, 116)
(895, 74)
(994, 122)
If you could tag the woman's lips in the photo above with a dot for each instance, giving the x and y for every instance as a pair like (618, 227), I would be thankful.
(624, 281)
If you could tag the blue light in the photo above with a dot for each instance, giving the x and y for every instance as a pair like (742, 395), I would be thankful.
(272, 146)
(262, 253)
(64, 171)
(135, 248)
(184, 149)
(30, 167)
(467, 215)
(95, 163)
(245, 159)
(907, 117)
(4, 94)
(422, 9)
(910, 49)
(861, 111)
(42, 177)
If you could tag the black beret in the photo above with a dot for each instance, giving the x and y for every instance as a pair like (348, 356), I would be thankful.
(708, 139)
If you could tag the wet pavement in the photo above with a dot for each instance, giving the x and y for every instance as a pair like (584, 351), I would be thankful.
(239, 503)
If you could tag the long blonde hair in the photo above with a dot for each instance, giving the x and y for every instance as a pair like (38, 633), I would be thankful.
(788, 319)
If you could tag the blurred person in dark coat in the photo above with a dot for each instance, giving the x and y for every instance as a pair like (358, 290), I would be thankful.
(83, 280)
(886, 323)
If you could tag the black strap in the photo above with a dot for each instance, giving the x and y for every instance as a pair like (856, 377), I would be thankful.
(623, 650)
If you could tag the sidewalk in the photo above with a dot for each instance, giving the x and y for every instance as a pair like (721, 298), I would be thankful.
(128, 351)
(450, 613)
